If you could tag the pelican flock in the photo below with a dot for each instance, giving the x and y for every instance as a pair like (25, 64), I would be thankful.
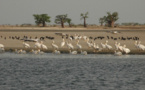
(74, 44)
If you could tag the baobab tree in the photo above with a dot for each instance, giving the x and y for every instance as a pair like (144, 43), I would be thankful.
(111, 18)
(61, 19)
(84, 16)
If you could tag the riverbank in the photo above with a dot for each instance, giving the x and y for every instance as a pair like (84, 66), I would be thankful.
(8, 37)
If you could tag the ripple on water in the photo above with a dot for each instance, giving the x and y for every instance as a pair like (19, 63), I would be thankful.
(71, 72)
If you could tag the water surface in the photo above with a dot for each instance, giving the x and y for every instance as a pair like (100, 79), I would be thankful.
(71, 72)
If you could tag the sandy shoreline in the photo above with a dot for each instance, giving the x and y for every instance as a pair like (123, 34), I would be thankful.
(11, 44)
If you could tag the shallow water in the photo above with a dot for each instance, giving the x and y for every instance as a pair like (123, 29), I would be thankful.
(71, 72)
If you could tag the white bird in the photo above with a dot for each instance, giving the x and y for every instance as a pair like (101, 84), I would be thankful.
(72, 52)
(62, 43)
(103, 45)
(54, 45)
(84, 52)
(1, 46)
(26, 45)
(126, 50)
(39, 51)
(96, 47)
(116, 45)
(43, 46)
(118, 53)
(56, 52)
(89, 44)
(70, 46)
(84, 37)
(34, 51)
(141, 46)
(76, 37)
(120, 47)
(37, 45)
(20, 51)
(108, 46)
(78, 45)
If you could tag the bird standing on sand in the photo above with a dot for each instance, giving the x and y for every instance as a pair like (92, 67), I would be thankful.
(62, 43)
(26, 45)
(54, 46)
(43, 46)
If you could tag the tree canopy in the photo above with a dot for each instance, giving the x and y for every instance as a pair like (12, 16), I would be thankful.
(41, 19)
(61, 19)
(111, 18)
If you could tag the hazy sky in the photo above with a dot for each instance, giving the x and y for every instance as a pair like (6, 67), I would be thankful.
(21, 11)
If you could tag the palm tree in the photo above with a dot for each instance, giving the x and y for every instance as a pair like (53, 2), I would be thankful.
(84, 16)
(111, 18)
(61, 19)
(41, 19)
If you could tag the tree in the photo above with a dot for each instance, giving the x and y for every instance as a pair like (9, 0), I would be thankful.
(41, 19)
(37, 19)
(61, 19)
(84, 16)
(111, 18)
(69, 22)
(102, 20)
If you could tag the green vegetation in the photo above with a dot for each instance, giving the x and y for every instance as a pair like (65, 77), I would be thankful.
(102, 20)
(110, 19)
(84, 16)
(41, 19)
(61, 19)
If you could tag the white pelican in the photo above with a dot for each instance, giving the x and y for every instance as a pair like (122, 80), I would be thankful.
(26, 45)
(72, 52)
(34, 51)
(78, 45)
(54, 45)
(62, 43)
(103, 45)
(84, 52)
(89, 44)
(20, 51)
(37, 45)
(1, 46)
(76, 37)
(116, 45)
(96, 47)
(84, 37)
(39, 51)
(118, 53)
(108, 46)
(120, 47)
(126, 50)
(141, 46)
(43, 46)
(70, 46)
(56, 52)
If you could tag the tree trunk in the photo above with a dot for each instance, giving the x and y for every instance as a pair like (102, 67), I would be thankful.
(69, 25)
(112, 24)
(43, 23)
(85, 22)
(101, 24)
(62, 24)
(109, 23)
